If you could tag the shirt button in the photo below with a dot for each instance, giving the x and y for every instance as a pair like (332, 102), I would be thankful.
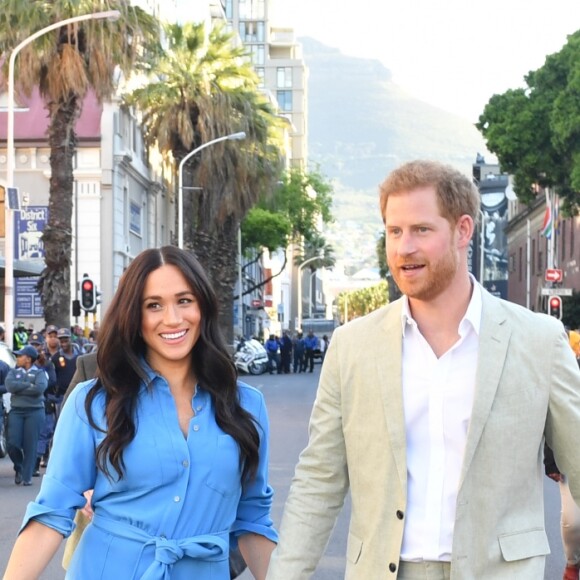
(185, 463)
(176, 499)
(199, 408)
(400, 514)
(196, 427)
(392, 567)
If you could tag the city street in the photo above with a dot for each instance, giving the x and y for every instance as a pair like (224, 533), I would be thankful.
(289, 399)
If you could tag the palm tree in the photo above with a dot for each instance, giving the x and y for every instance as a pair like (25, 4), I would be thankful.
(65, 65)
(206, 88)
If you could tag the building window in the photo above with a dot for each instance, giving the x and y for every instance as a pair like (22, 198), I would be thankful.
(252, 31)
(533, 257)
(256, 54)
(251, 9)
(284, 99)
(284, 77)
(512, 263)
(520, 263)
(135, 218)
(572, 230)
(260, 73)
(228, 9)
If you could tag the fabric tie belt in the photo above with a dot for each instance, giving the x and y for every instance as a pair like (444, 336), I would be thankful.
(207, 547)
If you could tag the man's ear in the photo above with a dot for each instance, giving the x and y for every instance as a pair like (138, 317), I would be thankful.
(465, 228)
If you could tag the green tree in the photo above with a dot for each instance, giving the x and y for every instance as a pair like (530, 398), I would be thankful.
(394, 291)
(535, 131)
(204, 88)
(290, 216)
(571, 310)
(356, 303)
(65, 65)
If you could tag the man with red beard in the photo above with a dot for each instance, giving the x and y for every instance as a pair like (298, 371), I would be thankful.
(433, 410)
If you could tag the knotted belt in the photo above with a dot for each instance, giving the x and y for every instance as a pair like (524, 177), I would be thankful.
(206, 547)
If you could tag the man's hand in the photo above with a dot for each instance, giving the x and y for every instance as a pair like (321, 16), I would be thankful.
(557, 477)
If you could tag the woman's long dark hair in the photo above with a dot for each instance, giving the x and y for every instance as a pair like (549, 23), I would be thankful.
(120, 373)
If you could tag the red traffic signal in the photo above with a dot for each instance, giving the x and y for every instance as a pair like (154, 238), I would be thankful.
(88, 294)
(555, 307)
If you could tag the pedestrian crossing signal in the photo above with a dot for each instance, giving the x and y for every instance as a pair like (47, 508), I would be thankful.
(88, 294)
(555, 307)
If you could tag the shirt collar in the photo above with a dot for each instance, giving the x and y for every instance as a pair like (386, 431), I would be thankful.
(471, 317)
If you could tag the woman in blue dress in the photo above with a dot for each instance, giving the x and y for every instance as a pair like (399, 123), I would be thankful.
(174, 447)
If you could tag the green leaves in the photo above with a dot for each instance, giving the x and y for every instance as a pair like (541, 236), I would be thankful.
(535, 132)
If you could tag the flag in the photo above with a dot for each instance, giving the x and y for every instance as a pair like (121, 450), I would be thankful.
(548, 223)
(557, 215)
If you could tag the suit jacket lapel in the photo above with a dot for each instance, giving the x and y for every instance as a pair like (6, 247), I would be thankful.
(493, 345)
(389, 377)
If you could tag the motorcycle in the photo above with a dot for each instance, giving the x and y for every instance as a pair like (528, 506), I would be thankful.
(251, 357)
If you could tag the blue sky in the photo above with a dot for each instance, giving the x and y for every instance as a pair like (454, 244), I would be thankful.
(452, 53)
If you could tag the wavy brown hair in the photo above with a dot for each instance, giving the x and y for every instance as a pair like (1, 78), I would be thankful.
(121, 373)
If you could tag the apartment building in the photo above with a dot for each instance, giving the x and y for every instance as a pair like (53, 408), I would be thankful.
(278, 61)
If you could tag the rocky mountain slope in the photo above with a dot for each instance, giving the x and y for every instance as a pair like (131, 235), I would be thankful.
(361, 126)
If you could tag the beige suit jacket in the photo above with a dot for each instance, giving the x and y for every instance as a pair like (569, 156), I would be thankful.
(527, 387)
(86, 369)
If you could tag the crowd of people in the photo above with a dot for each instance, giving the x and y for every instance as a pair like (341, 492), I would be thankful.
(437, 431)
(45, 364)
(296, 354)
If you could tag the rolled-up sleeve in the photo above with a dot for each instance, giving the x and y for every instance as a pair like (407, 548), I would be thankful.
(71, 469)
(254, 508)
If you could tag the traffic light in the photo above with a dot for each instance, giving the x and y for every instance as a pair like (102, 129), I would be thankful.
(555, 307)
(88, 294)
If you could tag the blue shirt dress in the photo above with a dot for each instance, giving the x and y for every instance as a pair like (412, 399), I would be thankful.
(181, 501)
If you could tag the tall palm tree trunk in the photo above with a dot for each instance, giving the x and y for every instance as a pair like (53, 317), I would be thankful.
(54, 284)
(218, 253)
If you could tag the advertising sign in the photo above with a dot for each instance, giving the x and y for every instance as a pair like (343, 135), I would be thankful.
(29, 223)
(488, 252)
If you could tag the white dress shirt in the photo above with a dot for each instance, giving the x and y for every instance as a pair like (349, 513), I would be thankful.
(438, 400)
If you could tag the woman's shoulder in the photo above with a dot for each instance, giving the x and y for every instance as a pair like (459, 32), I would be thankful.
(250, 397)
(79, 395)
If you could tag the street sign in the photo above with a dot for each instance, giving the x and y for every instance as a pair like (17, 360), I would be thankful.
(554, 275)
(13, 198)
(556, 291)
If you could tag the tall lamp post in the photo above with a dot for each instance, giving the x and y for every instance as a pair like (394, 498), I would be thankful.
(305, 263)
(9, 230)
(310, 301)
(233, 137)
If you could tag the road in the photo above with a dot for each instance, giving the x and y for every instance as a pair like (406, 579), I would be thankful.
(289, 399)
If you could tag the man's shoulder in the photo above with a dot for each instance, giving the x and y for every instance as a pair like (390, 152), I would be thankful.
(368, 325)
(520, 317)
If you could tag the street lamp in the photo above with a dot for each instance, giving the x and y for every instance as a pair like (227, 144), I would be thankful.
(300, 288)
(8, 231)
(233, 137)
(310, 295)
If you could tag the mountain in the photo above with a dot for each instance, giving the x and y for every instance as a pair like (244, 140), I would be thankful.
(361, 126)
